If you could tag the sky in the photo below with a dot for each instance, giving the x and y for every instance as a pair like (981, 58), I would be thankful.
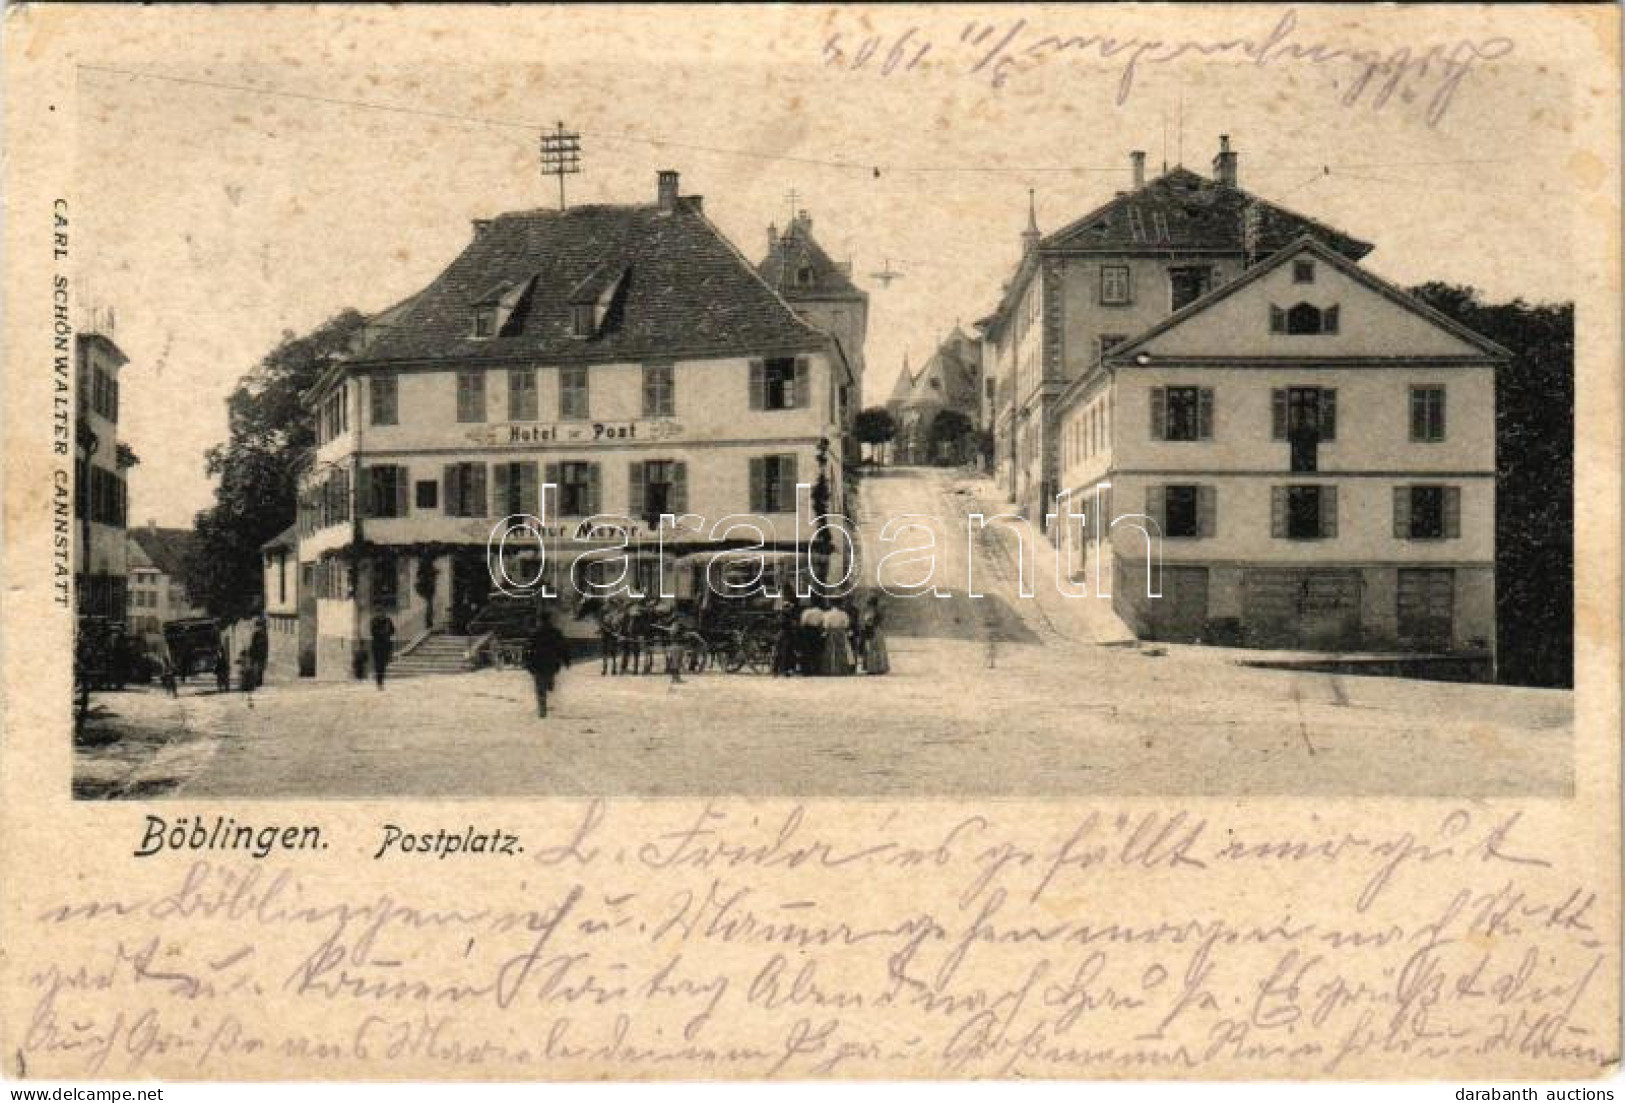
(210, 220)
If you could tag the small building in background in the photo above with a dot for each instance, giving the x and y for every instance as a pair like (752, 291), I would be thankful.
(157, 558)
(938, 410)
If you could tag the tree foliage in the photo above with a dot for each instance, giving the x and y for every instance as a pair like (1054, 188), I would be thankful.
(1534, 502)
(874, 426)
(269, 438)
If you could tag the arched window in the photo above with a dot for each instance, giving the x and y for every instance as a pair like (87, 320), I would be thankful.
(1304, 318)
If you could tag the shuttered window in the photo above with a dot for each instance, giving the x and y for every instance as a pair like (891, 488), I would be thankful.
(780, 383)
(573, 397)
(465, 489)
(470, 396)
(773, 484)
(659, 399)
(514, 489)
(657, 487)
(1182, 413)
(1427, 414)
(522, 403)
(1427, 512)
(1183, 511)
(385, 493)
(384, 399)
(1303, 411)
(1303, 512)
(578, 488)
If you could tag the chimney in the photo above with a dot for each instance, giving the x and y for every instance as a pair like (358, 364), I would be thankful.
(1137, 158)
(667, 189)
(772, 237)
(480, 226)
(1224, 165)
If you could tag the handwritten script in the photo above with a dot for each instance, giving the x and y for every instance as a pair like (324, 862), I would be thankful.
(732, 942)
(1430, 72)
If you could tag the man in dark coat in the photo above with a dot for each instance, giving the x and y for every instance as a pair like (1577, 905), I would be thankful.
(383, 644)
(549, 652)
(258, 653)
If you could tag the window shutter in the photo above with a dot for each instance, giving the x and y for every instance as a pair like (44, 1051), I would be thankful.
(1328, 320)
(758, 385)
(527, 488)
(1278, 413)
(402, 483)
(803, 388)
(677, 500)
(453, 495)
(476, 494)
(1277, 320)
(758, 484)
(635, 494)
(371, 503)
(1204, 414)
(1419, 420)
(1159, 413)
(591, 504)
(1452, 512)
(550, 477)
(1328, 512)
(1402, 513)
(1278, 512)
(787, 479)
(1155, 506)
(499, 490)
(1328, 413)
(1207, 511)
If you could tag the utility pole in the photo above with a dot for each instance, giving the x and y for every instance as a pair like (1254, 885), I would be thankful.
(561, 155)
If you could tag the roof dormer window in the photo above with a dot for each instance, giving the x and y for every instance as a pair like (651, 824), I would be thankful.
(581, 319)
(804, 276)
(485, 322)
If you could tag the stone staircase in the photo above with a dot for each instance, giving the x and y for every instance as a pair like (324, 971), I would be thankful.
(437, 653)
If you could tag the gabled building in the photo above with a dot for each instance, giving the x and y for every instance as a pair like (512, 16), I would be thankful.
(627, 357)
(822, 293)
(1108, 275)
(938, 408)
(157, 558)
(1314, 452)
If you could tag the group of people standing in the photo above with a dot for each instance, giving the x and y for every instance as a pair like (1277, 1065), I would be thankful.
(829, 637)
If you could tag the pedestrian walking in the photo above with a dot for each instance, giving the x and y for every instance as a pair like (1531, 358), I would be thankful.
(166, 671)
(837, 640)
(784, 644)
(548, 653)
(259, 649)
(876, 659)
(222, 669)
(382, 630)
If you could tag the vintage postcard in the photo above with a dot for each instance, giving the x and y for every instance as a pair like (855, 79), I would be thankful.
(811, 541)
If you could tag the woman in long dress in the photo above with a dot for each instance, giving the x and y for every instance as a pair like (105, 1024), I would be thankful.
(875, 658)
(837, 640)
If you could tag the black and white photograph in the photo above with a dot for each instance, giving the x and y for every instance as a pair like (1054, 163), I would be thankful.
(812, 541)
(1219, 454)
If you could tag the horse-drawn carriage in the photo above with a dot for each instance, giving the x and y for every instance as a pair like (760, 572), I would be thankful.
(723, 613)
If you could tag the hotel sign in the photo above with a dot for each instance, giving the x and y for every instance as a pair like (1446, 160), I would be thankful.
(521, 433)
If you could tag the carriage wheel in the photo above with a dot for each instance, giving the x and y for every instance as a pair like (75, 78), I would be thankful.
(694, 653)
(759, 649)
(736, 656)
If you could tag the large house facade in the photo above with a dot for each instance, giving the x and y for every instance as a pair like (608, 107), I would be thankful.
(101, 497)
(1107, 276)
(627, 358)
(1272, 446)
(1313, 452)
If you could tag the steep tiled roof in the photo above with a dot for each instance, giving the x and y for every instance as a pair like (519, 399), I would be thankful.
(684, 290)
(796, 251)
(949, 378)
(903, 388)
(165, 549)
(1181, 210)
